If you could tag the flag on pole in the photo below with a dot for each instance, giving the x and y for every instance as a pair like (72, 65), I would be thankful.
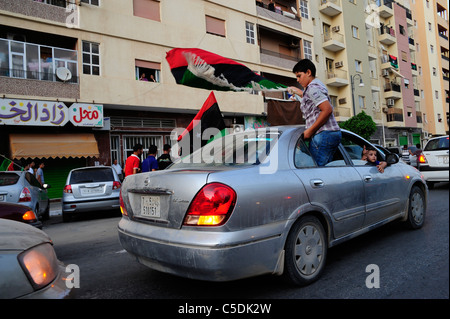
(208, 117)
(202, 69)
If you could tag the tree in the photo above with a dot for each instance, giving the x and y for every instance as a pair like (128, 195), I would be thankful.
(361, 124)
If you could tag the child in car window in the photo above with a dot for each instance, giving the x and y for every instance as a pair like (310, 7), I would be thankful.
(370, 155)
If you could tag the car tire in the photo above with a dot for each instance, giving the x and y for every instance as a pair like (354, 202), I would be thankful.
(66, 217)
(416, 208)
(430, 185)
(306, 251)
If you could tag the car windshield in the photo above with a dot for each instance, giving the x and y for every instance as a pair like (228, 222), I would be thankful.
(439, 144)
(242, 149)
(8, 178)
(91, 175)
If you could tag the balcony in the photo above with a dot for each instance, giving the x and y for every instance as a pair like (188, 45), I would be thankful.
(333, 42)
(23, 60)
(387, 35)
(336, 78)
(385, 9)
(389, 61)
(394, 117)
(414, 71)
(392, 90)
(278, 14)
(330, 8)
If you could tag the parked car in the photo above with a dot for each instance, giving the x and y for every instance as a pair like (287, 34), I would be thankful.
(255, 203)
(88, 189)
(433, 162)
(28, 264)
(23, 188)
(20, 213)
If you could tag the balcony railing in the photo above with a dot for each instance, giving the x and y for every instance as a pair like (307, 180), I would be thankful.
(392, 86)
(37, 62)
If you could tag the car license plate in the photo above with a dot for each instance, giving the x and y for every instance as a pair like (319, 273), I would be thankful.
(2, 198)
(445, 160)
(150, 206)
(91, 190)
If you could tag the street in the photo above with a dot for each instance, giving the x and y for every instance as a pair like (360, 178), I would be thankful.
(412, 264)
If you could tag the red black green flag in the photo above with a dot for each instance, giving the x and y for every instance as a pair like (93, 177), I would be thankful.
(202, 69)
(209, 116)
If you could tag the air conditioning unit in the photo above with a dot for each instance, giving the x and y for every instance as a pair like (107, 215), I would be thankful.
(336, 28)
(390, 102)
(385, 73)
(342, 101)
(339, 64)
(385, 109)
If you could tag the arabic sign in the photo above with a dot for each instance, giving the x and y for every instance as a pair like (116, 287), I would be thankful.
(40, 113)
(47, 113)
(86, 115)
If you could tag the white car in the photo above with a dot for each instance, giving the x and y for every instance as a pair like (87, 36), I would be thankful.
(433, 162)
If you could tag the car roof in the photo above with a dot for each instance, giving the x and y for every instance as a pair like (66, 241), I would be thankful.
(19, 236)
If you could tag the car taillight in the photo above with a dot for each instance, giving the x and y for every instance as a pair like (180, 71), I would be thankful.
(422, 159)
(212, 206)
(67, 189)
(116, 185)
(123, 209)
(25, 195)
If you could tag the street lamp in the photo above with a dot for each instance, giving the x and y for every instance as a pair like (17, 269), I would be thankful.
(361, 84)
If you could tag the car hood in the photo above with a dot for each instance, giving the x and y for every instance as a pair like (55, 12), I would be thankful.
(19, 236)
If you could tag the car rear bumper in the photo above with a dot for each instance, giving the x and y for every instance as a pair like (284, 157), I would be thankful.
(91, 205)
(432, 174)
(203, 255)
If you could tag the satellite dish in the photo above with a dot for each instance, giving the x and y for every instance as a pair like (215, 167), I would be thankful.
(63, 74)
(294, 10)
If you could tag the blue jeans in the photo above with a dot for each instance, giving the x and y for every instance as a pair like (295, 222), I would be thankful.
(324, 145)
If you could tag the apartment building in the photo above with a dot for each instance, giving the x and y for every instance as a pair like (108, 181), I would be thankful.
(70, 73)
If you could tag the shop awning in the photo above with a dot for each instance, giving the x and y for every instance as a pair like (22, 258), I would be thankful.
(53, 145)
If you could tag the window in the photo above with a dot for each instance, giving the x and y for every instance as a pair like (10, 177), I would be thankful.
(304, 9)
(58, 3)
(250, 32)
(429, 26)
(362, 102)
(358, 66)
(355, 32)
(91, 2)
(148, 9)
(436, 94)
(434, 72)
(432, 48)
(404, 56)
(302, 156)
(147, 71)
(307, 51)
(91, 58)
(215, 26)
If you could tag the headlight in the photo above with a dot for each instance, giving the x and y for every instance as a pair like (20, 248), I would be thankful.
(39, 264)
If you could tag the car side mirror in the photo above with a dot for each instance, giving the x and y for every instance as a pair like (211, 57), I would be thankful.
(45, 186)
(392, 159)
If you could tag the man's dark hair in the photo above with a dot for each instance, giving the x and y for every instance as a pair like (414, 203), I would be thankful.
(152, 149)
(137, 147)
(305, 65)
(167, 147)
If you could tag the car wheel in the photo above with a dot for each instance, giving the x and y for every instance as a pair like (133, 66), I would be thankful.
(306, 251)
(416, 209)
(66, 217)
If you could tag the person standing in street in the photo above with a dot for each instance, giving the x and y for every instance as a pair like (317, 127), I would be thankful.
(164, 160)
(133, 162)
(315, 104)
(118, 169)
(40, 173)
(150, 163)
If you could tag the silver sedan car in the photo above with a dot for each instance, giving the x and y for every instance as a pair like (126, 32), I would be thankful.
(256, 203)
(29, 268)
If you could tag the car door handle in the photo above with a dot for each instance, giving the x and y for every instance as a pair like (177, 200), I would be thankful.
(316, 183)
(367, 178)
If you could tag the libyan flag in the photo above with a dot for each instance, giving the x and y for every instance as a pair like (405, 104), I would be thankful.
(202, 69)
(209, 116)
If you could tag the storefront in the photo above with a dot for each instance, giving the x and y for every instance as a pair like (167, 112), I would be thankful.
(62, 137)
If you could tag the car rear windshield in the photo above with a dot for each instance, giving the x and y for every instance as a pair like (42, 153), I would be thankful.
(8, 178)
(91, 175)
(242, 149)
(439, 144)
